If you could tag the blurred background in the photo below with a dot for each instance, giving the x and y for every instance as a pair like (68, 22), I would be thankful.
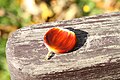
(15, 14)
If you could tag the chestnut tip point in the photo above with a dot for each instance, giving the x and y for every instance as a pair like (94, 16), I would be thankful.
(49, 55)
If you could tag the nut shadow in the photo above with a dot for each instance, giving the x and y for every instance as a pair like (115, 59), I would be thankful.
(81, 38)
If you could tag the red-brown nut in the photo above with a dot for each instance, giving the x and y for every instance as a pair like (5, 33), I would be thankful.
(59, 40)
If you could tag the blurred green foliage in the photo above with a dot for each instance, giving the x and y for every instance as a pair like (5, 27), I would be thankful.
(13, 16)
(11, 13)
(4, 74)
(91, 5)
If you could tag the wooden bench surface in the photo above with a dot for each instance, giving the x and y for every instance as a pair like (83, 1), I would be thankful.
(95, 57)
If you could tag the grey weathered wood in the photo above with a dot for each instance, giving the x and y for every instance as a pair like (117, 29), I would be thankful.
(95, 57)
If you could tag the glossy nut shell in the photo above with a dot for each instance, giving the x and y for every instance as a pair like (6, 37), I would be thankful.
(60, 40)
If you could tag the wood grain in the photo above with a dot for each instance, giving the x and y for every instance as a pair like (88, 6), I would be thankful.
(95, 57)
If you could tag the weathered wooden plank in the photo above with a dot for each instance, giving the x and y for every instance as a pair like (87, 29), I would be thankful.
(95, 57)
